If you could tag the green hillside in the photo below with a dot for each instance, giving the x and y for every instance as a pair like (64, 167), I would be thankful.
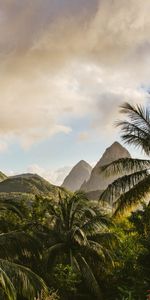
(29, 184)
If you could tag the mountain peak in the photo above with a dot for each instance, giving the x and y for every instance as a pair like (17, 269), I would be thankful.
(116, 144)
(79, 174)
(113, 152)
(97, 179)
(82, 163)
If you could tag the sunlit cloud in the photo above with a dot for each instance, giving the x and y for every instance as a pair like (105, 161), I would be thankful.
(58, 64)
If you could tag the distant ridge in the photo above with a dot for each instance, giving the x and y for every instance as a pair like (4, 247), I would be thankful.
(97, 181)
(28, 183)
(79, 174)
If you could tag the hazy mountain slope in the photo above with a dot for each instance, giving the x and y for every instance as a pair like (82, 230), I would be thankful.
(79, 173)
(97, 179)
(28, 183)
(93, 195)
(2, 176)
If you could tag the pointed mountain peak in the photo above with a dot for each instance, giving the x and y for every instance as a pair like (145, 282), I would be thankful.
(115, 151)
(82, 163)
(97, 179)
(116, 144)
(80, 173)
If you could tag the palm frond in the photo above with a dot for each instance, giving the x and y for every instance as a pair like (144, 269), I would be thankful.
(76, 205)
(11, 205)
(96, 223)
(19, 244)
(107, 239)
(122, 185)
(26, 282)
(125, 166)
(133, 134)
(132, 128)
(103, 250)
(89, 277)
(93, 252)
(53, 251)
(78, 235)
(133, 197)
(6, 286)
(138, 141)
(137, 114)
(137, 131)
(63, 211)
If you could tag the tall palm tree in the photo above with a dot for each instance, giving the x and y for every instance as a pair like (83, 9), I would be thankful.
(14, 246)
(80, 231)
(132, 188)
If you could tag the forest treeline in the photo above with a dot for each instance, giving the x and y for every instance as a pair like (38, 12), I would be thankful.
(72, 248)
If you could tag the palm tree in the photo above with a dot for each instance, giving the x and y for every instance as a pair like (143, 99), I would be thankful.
(132, 188)
(16, 279)
(80, 231)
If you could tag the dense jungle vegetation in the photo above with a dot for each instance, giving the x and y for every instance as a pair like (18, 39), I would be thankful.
(72, 248)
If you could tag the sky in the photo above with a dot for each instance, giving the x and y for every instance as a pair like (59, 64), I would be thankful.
(65, 68)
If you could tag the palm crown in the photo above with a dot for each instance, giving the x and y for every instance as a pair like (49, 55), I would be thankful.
(132, 188)
(80, 231)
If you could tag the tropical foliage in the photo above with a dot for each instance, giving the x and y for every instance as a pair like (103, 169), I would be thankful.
(133, 185)
(79, 236)
(16, 279)
(68, 247)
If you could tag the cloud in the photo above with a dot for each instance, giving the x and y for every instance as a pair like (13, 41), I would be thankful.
(83, 136)
(61, 61)
(3, 146)
(54, 176)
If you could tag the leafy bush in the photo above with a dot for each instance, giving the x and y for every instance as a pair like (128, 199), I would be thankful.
(51, 296)
(65, 279)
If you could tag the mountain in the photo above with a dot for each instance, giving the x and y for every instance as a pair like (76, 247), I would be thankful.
(29, 184)
(80, 173)
(97, 181)
(2, 176)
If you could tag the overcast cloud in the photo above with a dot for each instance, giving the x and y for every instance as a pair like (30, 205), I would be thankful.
(69, 59)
